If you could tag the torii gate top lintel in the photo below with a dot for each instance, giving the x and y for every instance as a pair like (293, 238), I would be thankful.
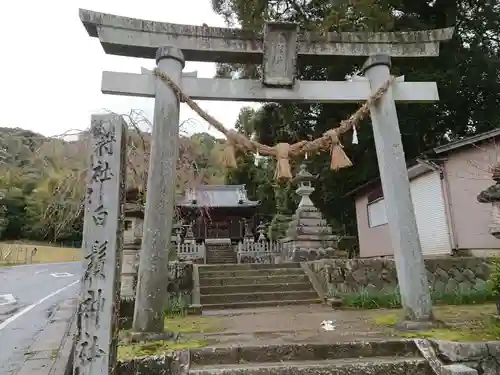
(141, 38)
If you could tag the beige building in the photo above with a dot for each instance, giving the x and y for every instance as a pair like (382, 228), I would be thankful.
(444, 185)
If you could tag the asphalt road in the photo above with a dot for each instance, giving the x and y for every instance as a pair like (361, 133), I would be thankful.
(28, 294)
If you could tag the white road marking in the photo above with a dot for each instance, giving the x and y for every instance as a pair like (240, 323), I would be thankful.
(37, 272)
(8, 299)
(61, 274)
(6, 322)
(45, 264)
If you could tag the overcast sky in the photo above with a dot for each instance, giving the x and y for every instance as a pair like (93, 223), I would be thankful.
(50, 69)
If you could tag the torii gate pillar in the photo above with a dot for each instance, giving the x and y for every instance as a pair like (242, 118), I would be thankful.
(160, 195)
(412, 275)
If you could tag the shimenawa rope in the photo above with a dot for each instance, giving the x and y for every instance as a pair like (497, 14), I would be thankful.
(283, 151)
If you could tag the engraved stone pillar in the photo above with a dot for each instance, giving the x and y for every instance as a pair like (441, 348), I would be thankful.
(98, 310)
(160, 195)
(412, 275)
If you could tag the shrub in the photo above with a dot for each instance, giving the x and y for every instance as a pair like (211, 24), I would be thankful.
(469, 297)
(494, 282)
(373, 299)
(370, 299)
(278, 227)
(177, 305)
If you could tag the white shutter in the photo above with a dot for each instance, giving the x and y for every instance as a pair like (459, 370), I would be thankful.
(428, 201)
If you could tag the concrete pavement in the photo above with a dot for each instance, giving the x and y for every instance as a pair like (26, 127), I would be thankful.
(34, 298)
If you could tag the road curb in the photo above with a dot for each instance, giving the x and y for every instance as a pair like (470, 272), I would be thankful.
(51, 351)
(63, 364)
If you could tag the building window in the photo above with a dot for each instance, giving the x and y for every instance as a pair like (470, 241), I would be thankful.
(377, 214)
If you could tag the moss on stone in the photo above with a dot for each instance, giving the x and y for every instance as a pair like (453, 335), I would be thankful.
(157, 348)
(191, 324)
(467, 323)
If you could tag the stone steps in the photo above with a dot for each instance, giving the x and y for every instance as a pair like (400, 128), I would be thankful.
(257, 304)
(252, 280)
(220, 254)
(395, 357)
(235, 286)
(258, 295)
(351, 366)
(250, 288)
(303, 352)
(248, 266)
(214, 273)
(221, 260)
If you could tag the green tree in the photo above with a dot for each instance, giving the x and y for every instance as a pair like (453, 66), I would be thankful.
(12, 203)
(467, 73)
(54, 209)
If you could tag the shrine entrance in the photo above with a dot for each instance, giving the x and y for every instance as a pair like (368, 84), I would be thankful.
(278, 48)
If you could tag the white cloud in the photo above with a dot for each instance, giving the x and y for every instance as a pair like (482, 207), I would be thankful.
(50, 69)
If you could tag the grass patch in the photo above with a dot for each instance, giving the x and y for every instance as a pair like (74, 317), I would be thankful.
(19, 253)
(191, 324)
(467, 323)
(371, 299)
(388, 320)
(185, 325)
(157, 348)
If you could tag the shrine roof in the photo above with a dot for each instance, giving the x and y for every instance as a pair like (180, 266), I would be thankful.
(217, 196)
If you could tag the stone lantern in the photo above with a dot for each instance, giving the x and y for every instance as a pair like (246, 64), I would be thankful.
(492, 195)
(304, 189)
(309, 237)
(132, 238)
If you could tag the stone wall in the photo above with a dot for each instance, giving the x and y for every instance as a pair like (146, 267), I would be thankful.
(446, 275)
(481, 356)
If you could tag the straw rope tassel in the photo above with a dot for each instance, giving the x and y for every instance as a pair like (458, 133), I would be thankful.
(228, 156)
(339, 157)
(283, 170)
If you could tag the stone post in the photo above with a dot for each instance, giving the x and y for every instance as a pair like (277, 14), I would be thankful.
(130, 257)
(412, 275)
(98, 309)
(160, 195)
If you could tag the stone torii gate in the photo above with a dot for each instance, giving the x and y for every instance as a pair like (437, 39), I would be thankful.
(278, 48)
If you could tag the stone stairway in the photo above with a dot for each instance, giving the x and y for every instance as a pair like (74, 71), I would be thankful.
(221, 254)
(354, 358)
(234, 286)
